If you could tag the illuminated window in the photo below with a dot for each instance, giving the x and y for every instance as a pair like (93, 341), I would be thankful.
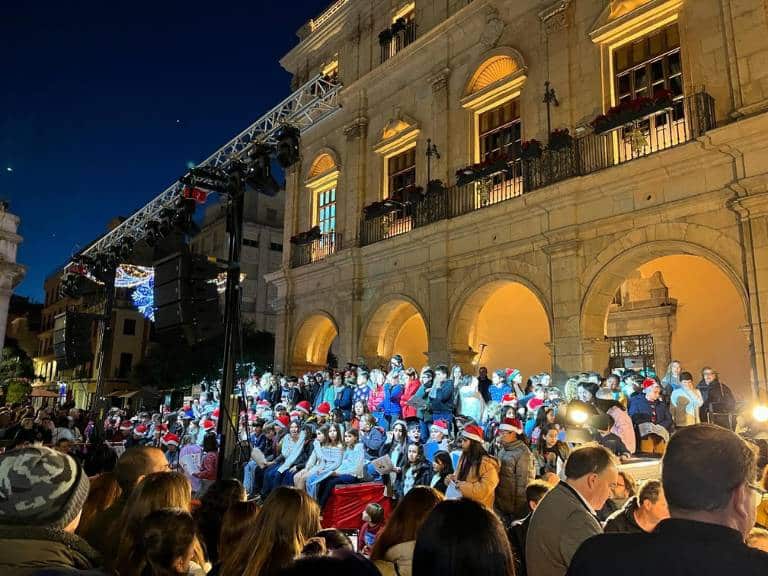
(326, 210)
(401, 170)
(400, 34)
(331, 69)
(649, 65)
(499, 130)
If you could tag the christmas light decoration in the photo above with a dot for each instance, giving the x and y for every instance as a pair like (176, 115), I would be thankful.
(143, 298)
(131, 276)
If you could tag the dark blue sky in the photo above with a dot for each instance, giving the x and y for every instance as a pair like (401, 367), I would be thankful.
(102, 104)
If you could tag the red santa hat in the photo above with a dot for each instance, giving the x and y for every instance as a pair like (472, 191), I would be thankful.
(648, 382)
(295, 415)
(508, 400)
(161, 428)
(208, 425)
(126, 425)
(535, 403)
(303, 407)
(170, 439)
(511, 425)
(215, 414)
(473, 432)
(439, 426)
(324, 409)
(263, 404)
(283, 421)
(140, 429)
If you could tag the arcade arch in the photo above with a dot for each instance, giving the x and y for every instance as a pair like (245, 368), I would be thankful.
(396, 327)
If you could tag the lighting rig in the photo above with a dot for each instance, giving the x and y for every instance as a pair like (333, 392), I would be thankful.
(243, 163)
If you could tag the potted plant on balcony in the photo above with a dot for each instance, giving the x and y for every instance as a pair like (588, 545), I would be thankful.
(491, 165)
(531, 149)
(631, 110)
(385, 36)
(560, 139)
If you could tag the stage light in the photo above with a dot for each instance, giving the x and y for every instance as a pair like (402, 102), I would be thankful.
(760, 413)
(288, 146)
(577, 416)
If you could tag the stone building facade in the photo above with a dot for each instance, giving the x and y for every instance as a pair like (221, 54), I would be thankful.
(572, 223)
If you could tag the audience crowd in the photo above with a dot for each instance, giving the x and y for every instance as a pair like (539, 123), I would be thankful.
(488, 474)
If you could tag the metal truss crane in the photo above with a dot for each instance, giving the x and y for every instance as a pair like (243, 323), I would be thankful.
(310, 104)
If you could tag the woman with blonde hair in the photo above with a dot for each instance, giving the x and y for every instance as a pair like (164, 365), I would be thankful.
(155, 492)
(235, 524)
(393, 551)
(288, 518)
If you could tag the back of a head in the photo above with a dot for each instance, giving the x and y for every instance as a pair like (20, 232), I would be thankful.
(41, 487)
(702, 466)
(588, 459)
(287, 519)
(649, 490)
(406, 519)
(340, 564)
(166, 536)
(135, 463)
(462, 538)
(335, 540)
(235, 523)
(214, 503)
(536, 490)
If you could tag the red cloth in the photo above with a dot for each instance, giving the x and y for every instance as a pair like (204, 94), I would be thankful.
(410, 389)
(344, 509)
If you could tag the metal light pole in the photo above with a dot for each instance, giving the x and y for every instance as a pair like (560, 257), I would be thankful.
(549, 98)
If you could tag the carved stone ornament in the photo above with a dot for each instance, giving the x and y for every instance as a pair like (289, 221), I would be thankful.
(439, 80)
(555, 17)
(494, 27)
(356, 129)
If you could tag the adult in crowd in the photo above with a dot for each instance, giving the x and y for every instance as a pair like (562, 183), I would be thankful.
(517, 470)
(287, 520)
(477, 473)
(42, 493)
(651, 417)
(642, 512)
(166, 545)
(762, 509)
(566, 515)
(462, 538)
(719, 402)
(103, 493)
(518, 530)
(671, 380)
(154, 492)
(621, 493)
(235, 523)
(214, 503)
(393, 551)
(707, 475)
(131, 468)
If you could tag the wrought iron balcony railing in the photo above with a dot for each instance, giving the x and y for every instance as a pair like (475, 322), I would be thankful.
(394, 39)
(685, 120)
(317, 249)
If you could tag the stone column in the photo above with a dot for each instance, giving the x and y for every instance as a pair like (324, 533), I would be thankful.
(437, 277)
(10, 272)
(440, 126)
(565, 341)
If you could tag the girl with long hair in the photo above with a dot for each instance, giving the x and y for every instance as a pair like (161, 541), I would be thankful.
(477, 471)
(166, 545)
(462, 538)
(288, 518)
(330, 459)
(416, 472)
(351, 469)
(551, 453)
(376, 397)
(216, 500)
(393, 551)
(313, 463)
(235, 524)
(103, 491)
(442, 468)
(359, 411)
(155, 492)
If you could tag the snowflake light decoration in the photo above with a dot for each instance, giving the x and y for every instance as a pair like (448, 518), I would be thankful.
(143, 298)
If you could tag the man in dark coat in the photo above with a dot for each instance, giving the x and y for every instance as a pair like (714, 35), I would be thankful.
(517, 531)
(707, 477)
(718, 400)
(641, 513)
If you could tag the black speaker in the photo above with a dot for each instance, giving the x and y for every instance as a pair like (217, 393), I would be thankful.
(186, 297)
(72, 338)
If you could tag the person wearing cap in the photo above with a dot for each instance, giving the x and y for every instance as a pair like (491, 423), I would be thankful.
(42, 493)
(517, 470)
(438, 440)
(477, 473)
(649, 408)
